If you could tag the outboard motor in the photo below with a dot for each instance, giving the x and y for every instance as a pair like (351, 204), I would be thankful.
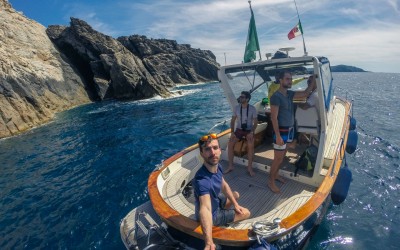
(342, 185)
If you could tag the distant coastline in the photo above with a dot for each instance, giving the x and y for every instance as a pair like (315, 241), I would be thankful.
(338, 68)
(346, 68)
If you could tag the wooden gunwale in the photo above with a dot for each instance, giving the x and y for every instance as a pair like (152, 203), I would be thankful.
(240, 237)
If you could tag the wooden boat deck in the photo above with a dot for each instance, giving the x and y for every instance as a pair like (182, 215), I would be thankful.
(255, 195)
(264, 154)
(261, 201)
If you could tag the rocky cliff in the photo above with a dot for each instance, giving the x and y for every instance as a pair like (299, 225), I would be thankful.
(35, 80)
(110, 69)
(41, 76)
(171, 62)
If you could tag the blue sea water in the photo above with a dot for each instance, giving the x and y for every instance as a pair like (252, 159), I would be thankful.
(68, 184)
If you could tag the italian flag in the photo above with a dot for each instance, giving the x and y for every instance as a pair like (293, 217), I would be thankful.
(296, 31)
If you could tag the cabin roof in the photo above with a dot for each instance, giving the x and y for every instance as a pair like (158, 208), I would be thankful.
(272, 64)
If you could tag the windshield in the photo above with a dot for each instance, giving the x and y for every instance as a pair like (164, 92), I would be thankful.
(248, 81)
(251, 80)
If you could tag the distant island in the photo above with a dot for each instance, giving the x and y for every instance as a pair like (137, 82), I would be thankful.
(338, 68)
(346, 68)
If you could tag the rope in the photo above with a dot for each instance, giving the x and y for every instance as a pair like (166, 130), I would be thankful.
(265, 228)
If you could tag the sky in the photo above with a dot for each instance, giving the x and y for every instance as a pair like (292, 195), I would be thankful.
(360, 33)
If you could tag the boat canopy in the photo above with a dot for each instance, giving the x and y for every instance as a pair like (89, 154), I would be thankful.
(257, 76)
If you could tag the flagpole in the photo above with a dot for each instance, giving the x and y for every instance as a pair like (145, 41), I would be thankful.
(251, 10)
(302, 36)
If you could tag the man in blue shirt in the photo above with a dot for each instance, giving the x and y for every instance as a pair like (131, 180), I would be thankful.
(214, 197)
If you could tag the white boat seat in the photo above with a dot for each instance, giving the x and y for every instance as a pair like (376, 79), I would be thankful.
(307, 120)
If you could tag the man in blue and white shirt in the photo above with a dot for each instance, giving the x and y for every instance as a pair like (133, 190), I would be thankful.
(245, 117)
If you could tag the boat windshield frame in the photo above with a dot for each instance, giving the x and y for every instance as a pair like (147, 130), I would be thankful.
(259, 73)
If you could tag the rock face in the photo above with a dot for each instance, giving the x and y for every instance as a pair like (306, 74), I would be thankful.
(35, 80)
(46, 71)
(107, 66)
(172, 63)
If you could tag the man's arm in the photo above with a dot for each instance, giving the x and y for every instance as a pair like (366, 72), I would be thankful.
(298, 80)
(206, 220)
(233, 119)
(275, 125)
(305, 93)
(304, 106)
(255, 123)
(255, 120)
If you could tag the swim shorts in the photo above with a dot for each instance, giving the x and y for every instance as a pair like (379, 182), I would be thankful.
(287, 134)
(223, 216)
(240, 133)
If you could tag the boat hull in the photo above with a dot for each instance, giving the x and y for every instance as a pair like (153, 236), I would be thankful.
(295, 239)
(299, 236)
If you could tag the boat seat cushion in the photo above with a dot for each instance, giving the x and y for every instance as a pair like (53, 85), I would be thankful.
(307, 120)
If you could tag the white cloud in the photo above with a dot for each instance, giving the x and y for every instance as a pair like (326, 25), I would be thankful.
(371, 48)
(358, 33)
(364, 42)
(395, 5)
(349, 11)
